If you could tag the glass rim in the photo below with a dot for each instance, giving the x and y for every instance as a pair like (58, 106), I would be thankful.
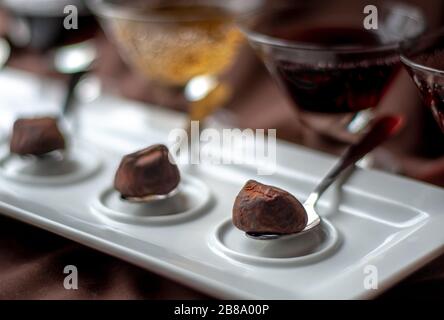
(438, 33)
(106, 9)
(272, 41)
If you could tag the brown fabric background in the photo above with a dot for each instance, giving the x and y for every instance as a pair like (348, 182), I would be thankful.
(32, 263)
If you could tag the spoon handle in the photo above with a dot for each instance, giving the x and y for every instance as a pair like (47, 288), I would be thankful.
(382, 129)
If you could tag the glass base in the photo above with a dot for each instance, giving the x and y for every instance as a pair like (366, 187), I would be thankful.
(332, 133)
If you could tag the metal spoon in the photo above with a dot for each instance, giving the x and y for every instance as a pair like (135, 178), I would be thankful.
(382, 129)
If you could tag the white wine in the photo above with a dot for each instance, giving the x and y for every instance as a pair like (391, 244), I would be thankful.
(185, 42)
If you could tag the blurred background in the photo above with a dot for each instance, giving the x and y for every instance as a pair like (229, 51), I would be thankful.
(35, 30)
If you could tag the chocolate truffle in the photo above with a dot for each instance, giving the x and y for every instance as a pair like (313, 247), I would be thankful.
(147, 172)
(36, 136)
(266, 209)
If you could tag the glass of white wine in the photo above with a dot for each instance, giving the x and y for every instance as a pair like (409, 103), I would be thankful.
(179, 44)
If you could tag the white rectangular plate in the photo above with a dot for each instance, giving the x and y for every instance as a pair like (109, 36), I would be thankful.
(381, 220)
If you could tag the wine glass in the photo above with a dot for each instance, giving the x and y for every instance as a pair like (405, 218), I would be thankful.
(334, 69)
(424, 60)
(183, 45)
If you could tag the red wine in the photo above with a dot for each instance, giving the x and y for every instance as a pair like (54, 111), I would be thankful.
(341, 37)
(431, 88)
(338, 85)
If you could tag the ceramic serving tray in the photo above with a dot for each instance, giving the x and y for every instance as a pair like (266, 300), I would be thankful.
(376, 224)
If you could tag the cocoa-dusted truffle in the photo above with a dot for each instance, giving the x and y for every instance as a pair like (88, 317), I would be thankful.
(266, 209)
(36, 136)
(147, 172)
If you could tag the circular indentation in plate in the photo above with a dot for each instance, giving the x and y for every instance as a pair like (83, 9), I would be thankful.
(304, 248)
(191, 198)
(77, 164)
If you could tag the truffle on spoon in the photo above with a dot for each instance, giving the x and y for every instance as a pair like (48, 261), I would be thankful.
(255, 207)
(147, 173)
(260, 208)
(36, 136)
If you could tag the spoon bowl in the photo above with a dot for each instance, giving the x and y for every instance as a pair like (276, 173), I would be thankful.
(58, 155)
(314, 220)
(151, 198)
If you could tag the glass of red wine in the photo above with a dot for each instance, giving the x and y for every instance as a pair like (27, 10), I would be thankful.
(333, 68)
(424, 60)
